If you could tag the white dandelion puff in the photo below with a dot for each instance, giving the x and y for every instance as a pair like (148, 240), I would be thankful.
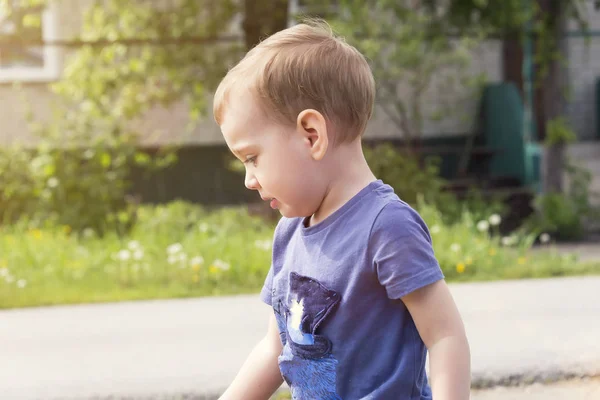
(52, 182)
(544, 238)
(483, 226)
(198, 260)
(174, 248)
(124, 255)
(455, 247)
(222, 265)
(138, 254)
(495, 220)
(134, 245)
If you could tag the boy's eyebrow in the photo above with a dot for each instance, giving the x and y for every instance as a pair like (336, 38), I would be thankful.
(242, 148)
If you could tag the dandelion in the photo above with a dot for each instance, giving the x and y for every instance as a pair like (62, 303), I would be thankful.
(483, 226)
(172, 259)
(36, 233)
(263, 244)
(134, 245)
(455, 247)
(222, 265)
(138, 254)
(495, 220)
(52, 182)
(521, 260)
(88, 233)
(181, 259)
(435, 229)
(544, 238)
(174, 249)
(460, 267)
(197, 261)
(89, 154)
(67, 229)
(203, 227)
(21, 283)
(508, 241)
(4, 272)
(469, 261)
(124, 255)
(492, 252)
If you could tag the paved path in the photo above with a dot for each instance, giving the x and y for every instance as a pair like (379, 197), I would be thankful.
(544, 329)
(575, 390)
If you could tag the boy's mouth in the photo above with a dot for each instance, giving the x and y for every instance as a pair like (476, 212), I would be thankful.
(274, 204)
(272, 201)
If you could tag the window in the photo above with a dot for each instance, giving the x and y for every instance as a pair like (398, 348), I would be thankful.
(31, 60)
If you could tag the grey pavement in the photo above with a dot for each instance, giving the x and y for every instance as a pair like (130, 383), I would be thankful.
(571, 390)
(530, 330)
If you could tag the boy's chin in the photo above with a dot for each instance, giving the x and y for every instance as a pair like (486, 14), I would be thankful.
(289, 212)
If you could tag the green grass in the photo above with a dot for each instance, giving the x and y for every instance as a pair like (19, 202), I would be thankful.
(180, 250)
(174, 251)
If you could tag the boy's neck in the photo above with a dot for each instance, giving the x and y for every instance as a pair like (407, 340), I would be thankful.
(349, 173)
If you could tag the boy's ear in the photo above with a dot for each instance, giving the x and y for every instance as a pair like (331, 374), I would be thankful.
(312, 126)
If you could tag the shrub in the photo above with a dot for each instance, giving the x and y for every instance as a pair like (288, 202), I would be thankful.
(565, 214)
(412, 178)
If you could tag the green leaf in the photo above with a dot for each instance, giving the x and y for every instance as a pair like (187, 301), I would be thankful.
(142, 158)
(49, 170)
(105, 160)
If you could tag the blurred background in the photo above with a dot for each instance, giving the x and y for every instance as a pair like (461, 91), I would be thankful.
(115, 182)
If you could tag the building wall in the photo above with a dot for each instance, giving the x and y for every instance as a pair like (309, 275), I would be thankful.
(583, 72)
(168, 125)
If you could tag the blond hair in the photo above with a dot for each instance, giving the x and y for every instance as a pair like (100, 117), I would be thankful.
(305, 67)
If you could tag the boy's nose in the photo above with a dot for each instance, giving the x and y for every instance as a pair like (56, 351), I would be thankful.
(251, 182)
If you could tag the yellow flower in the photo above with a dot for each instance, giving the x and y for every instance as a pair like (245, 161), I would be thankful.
(469, 261)
(492, 251)
(460, 267)
(67, 229)
(213, 270)
(196, 267)
(36, 233)
(522, 260)
(195, 278)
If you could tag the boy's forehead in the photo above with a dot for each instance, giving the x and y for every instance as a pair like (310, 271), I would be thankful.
(241, 105)
(240, 115)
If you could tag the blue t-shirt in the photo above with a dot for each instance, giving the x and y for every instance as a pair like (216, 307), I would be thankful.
(336, 290)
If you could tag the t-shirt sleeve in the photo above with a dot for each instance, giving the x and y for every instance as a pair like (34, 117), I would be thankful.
(266, 294)
(402, 251)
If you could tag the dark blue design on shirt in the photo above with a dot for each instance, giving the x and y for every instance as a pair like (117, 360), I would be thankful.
(306, 362)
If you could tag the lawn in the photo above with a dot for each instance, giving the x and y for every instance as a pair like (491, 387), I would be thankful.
(181, 250)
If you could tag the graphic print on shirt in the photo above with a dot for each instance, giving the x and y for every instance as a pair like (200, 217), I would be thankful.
(306, 362)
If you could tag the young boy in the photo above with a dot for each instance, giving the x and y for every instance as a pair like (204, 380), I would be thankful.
(358, 297)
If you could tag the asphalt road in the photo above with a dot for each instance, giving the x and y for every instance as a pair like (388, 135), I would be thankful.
(532, 330)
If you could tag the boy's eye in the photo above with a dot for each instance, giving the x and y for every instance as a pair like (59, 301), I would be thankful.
(251, 160)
